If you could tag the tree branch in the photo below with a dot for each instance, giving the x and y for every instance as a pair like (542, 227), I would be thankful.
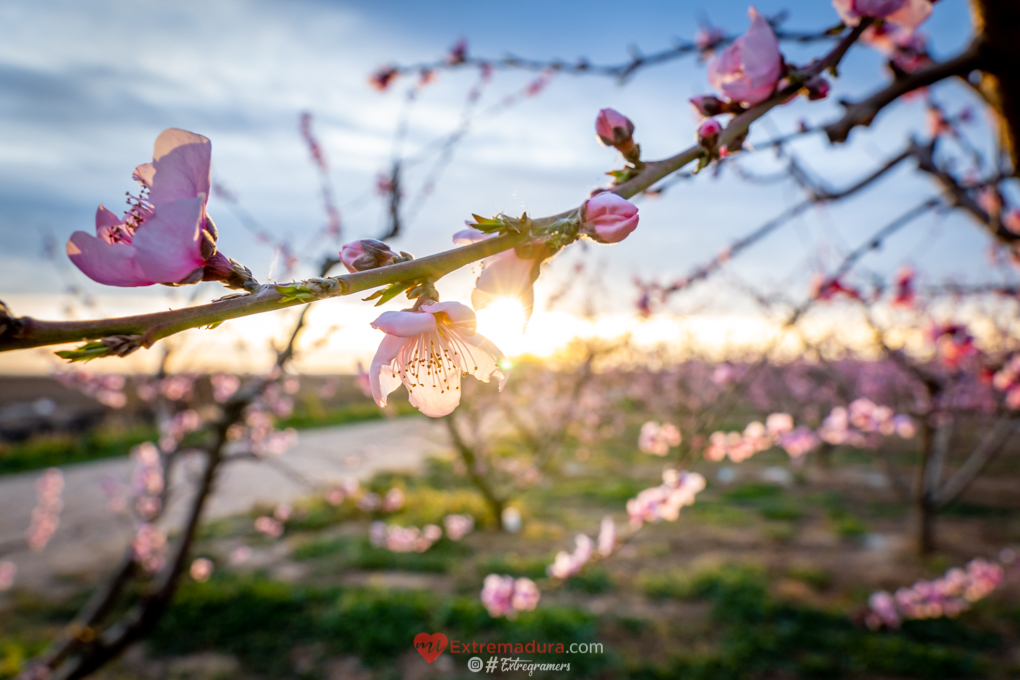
(864, 112)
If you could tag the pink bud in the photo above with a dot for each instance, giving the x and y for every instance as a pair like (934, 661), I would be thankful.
(817, 88)
(613, 128)
(368, 253)
(708, 105)
(609, 218)
(708, 133)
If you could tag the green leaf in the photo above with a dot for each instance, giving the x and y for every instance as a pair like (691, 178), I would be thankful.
(87, 352)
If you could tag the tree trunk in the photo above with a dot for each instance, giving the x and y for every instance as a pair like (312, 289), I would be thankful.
(997, 22)
(925, 527)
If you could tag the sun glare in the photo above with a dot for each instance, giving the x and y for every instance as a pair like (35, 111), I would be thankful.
(503, 323)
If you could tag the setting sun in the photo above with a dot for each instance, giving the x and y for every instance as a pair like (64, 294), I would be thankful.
(503, 322)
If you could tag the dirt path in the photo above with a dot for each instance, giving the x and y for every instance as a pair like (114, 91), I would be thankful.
(91, 538)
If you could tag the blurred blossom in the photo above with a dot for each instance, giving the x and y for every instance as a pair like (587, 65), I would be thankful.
(568, 564)
(393, 501)
(948, 596)
(458, 526)
(46, 514)
(283, 512)
(665, 501)
(656, 439)
(403, 539)
(269, 526)
(607, 537)
(224, 386)
(201, 569)
(8, 570)
(149, 547)
(240, 555)
(370, 502)
(505, 596)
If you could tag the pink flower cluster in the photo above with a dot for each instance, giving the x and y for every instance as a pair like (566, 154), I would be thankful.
(656, 439)
(46, 514)
(664, 502)
(175, 429)
(147, 480)
(224, 386)
(403, 539)
(864, 417)
(270, 526)
(953, 344)
(906, 14)
(458, 526)
(567, 564)
(149, 546)
(756, 437)
(505, 596)
(1007, 379)
(108, 390)
(949, 595)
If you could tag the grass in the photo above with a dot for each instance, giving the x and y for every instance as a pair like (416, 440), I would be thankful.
(355, 552)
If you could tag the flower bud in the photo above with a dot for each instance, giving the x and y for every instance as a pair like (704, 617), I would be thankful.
(708, 105)
(708, 133)
(231, 273)
(366, 254)
(614, 129)
(609, 218)
(817, 88)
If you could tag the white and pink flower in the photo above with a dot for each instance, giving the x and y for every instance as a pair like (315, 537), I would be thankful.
(428, 351)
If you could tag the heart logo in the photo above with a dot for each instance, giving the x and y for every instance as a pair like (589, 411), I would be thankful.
(430, 646)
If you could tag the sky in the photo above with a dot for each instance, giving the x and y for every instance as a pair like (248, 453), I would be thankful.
(85, 88)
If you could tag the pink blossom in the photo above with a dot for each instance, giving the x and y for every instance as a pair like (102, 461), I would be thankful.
(904, 288)
(568, 564)
(607, 537)
(201, 569)
(506, 275)
(166, 236)
(707, 105)
(504, 596)
(240, 554)
(428, 351)
(359, 256)
(46, 514)
(458, 526)
(149, 547)
(664, 502)
(382, 78)
(747, 71)
(224, 386)
(657, 439)
(708, 133)
(608, 217)
(614, 128)
(778, 423)
(799, 442)
(907, 14)
(269, 526)
(393, 501)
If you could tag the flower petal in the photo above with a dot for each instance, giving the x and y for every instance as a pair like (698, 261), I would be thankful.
(106, 218)
(470, 235)
(181, 166)
(112, 264)
(381, 376)
(168, 243)
(405, 324)
(459, 315)
(436, 399)
(479, 356)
